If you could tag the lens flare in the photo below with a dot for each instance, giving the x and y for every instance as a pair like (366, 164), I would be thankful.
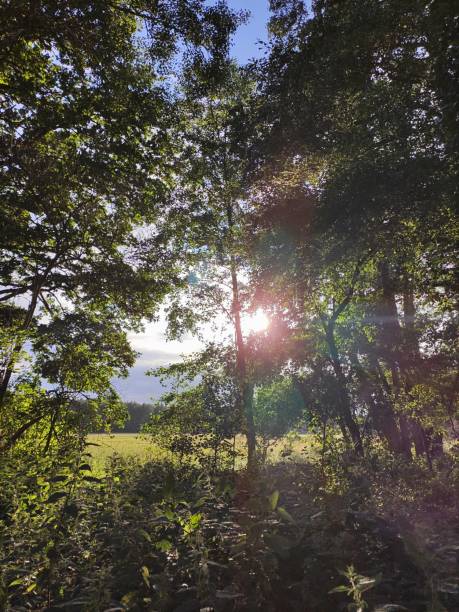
(256, 322)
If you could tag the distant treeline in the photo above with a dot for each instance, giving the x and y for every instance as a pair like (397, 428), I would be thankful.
(139, 414)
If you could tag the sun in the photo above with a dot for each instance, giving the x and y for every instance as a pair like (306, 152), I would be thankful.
(256, 322)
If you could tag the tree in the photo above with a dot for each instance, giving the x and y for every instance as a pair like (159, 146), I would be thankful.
(87, 161)
(350, 176)
(139, 414)
(200, 417)
(207, 218)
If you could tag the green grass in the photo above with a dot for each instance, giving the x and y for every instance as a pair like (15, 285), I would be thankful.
(125, 445)
(296, 447)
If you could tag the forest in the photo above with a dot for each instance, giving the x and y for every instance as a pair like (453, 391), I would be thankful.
(294, 214)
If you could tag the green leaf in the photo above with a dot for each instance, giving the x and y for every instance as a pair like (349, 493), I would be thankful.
(200, 502)
(91, 479)
(342, 588)
(72, 510)
(164, 545)
(54, 497)
(273, 499)
(79, 602)
(449, 586)
(316, 515)
(365, 584)
(391, 608)
(145, 534)
(228, 594)
(282, 512)
(279, 544)
(215, 564)
(192, 523)
(145, 575)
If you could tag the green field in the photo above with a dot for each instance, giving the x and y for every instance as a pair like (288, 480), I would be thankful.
(125, 445)
(298, 447)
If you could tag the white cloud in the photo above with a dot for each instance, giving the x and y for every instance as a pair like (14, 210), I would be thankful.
(154, 339)
(155, 350)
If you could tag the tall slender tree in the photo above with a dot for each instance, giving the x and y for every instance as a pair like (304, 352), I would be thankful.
(209, 215)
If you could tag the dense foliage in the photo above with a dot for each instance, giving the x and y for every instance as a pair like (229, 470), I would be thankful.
(355, 237)
(143, 169)
(163, 537)
(88, 158)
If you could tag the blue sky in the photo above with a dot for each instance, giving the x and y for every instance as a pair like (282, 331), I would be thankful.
(245, 45)
(153, 348)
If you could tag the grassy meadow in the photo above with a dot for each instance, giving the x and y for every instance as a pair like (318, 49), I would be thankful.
(125, 445)
(297, 447)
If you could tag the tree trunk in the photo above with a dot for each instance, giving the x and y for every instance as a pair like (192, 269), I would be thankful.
(379, 409)
(9, 367)
(391, 341)
(344, 403)
(411, 340)
(412, 367)
(8, 444)
(250, 425)
(245, 385)
(381, 389)
(37, 286)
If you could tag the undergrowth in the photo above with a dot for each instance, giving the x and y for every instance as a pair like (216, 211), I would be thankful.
(378, 535)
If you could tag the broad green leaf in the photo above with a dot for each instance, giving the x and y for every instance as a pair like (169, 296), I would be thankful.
(228, 594)
(364, 584)
(278, 544)
(58, 479)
